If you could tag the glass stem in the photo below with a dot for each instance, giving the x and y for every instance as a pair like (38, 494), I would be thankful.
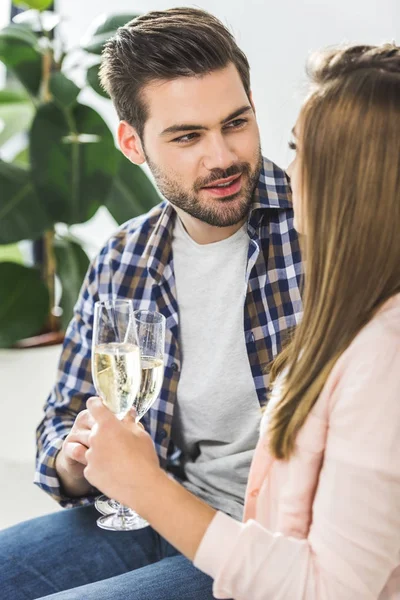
(123, 512)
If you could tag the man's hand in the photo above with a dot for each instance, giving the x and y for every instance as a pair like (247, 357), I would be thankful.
(121, 460)
(71, 460)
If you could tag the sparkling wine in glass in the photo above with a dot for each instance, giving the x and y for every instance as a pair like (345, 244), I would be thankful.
(150, 327)
(116, 371)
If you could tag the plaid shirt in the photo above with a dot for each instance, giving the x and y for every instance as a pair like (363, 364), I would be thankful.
(137, 263)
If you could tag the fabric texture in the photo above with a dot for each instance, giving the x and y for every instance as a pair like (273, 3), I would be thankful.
(215, 386)
(137, 263)
(65, 556)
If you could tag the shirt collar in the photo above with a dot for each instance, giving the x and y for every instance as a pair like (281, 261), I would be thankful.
(273, 189)
(272, 192)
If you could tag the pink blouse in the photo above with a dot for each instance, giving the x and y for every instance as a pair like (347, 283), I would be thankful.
(324, 525)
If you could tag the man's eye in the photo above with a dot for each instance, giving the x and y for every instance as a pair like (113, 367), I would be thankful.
(292, 145)
(184, 139)
(236, 124)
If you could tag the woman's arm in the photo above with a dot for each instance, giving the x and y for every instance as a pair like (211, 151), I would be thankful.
(176, 514)
(354, 539)
(123, 462)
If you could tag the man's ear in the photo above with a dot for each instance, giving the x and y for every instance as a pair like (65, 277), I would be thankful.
(130, 143)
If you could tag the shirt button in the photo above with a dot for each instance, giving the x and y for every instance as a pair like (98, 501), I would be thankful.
(174, 366)
(255, 493)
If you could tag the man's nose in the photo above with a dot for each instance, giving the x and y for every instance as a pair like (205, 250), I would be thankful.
(219, 153)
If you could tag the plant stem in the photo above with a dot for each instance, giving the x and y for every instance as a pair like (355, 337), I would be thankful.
(75, 155)
(49, 275)
(49, 259)
(47, 62)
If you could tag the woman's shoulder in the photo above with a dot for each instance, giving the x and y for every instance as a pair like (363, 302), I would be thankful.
(386, 321)
(371, 363)
(379, 338)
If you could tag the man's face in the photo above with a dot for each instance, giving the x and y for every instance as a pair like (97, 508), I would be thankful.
(202, 144)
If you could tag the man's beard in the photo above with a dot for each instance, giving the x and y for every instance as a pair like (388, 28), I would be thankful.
(219, 212)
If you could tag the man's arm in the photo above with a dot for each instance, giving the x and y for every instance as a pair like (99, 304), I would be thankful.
(62, 433)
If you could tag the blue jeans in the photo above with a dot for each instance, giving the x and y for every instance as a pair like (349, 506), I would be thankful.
(65, 556)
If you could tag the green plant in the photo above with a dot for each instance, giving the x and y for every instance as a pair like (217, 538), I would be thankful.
(68, 169)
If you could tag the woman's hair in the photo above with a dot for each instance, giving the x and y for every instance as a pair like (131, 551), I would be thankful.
(349, 153)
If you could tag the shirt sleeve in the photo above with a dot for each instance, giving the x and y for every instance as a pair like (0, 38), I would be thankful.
(71, 391)
(353, 545)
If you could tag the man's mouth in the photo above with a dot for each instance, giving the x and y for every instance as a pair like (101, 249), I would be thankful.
(225, 187)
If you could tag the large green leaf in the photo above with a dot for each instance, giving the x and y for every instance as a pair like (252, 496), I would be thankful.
(132, 193)
(20, 53)
(16, 113)
(72, 264)
(102, 29)
(19, 33)
(63, 90)
(24, 303)
(92, 77)
(39, 22)
(22, 212)
(73, 159)
(37, 4)
(11, 253)
(22, 158)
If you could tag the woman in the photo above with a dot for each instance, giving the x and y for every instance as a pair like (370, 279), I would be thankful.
(322, 514)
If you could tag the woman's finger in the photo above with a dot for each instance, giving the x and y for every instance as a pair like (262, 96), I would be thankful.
(98, 411)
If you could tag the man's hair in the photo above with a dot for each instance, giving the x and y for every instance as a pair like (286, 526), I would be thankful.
(164, 45)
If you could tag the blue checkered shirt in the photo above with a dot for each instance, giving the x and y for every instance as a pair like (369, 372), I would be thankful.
(137, 263)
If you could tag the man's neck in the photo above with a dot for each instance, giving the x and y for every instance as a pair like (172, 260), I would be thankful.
(203, 233)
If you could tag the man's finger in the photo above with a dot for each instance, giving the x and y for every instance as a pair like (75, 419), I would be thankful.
(85, 419)
(81, 436)
(76, 452)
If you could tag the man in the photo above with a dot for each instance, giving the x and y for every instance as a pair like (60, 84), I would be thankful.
(220, 259)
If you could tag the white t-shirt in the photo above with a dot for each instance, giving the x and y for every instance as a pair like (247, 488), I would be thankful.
(217, 416)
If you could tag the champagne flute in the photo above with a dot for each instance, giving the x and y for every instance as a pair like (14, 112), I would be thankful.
(150, 327)
(116, 371)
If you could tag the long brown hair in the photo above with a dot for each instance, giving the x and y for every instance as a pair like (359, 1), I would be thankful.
(349, 152)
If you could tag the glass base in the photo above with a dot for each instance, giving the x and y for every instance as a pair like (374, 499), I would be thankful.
(115, 522)
(105, 505)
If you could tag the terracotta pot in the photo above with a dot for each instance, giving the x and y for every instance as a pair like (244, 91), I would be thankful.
(39, 341)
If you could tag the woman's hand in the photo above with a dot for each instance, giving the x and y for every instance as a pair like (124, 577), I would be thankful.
(121, 459)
